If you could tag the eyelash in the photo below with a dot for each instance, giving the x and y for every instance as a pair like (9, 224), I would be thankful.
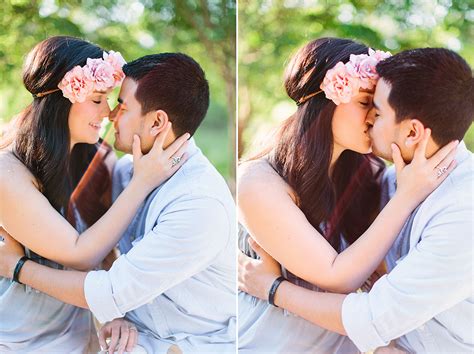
(97, 102)
(364, 103)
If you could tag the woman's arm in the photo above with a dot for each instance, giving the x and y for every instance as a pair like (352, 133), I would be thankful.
(27, 215)
(256, 276)
(270, 215)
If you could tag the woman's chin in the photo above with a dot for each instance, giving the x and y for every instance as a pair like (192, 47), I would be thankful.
(92, 139)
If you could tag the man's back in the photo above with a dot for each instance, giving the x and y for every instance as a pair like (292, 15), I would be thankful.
(177, 271)
(431, 270)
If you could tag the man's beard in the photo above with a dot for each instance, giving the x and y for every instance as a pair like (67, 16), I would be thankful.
(382, 154)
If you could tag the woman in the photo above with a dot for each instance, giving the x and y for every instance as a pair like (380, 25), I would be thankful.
(55, 188)
(311, 198)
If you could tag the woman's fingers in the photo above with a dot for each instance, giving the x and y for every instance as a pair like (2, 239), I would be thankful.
(177, 145)
(420, 150)
(397, 159)
(160, 139)
(136, 148)
(446, 171)
(179, 153)
(177, 165)
(443, 153)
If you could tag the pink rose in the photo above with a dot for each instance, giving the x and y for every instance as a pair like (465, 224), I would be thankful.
(114, 58)
(379, 55)
(75, 85)
(101, 72)
(339, 85)
(117, 61)
(363, 67)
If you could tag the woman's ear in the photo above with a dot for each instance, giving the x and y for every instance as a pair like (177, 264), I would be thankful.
(159, 122)
(413, 131)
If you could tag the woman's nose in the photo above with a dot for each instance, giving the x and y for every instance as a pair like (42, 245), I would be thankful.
(370, 118)
(113, 114)
(106, 111)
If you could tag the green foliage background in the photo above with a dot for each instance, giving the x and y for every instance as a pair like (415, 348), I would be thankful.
(270, 31)
(203, 29)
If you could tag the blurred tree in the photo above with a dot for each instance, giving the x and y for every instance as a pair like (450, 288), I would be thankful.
(204, 29)
(270, 31)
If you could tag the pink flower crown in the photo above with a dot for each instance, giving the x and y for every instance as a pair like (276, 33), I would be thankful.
(96, 75)
(343, 81)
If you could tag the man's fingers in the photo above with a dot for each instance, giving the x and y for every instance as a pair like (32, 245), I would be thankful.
(444, 153)
(124, 333)
(420, 150)
(255, 246)
(160, 139)
(114, 338)
(397, 158)
(177, 145)
(132, 339)
(258, 249)
(104, 333)
(136, 148)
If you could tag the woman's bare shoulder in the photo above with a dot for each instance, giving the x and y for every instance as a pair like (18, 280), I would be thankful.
(14, 172)
(259, 177)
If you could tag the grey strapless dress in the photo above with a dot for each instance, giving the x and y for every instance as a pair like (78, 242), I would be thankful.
(33, 322)
(264, 328)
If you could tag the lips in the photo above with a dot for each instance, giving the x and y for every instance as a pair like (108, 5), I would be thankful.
(95, 125)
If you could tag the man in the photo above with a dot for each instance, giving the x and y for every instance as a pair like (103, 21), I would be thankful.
(175, 279)
(425, 302)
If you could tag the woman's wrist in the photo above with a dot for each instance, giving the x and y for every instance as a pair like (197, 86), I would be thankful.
(139, 188)
(11, 263)
(404, 201)
(273, 290)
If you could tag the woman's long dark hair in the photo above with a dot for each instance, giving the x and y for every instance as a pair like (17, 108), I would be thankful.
(41, 135)
(348, 199)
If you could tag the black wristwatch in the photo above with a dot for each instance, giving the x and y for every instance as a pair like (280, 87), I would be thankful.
(273, 289)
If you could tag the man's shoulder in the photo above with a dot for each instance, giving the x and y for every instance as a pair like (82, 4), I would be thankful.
(197, 177)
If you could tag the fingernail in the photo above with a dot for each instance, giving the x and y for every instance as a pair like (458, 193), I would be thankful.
(392, 146)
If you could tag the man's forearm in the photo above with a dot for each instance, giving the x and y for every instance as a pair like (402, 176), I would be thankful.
(66, 286)
(322, 309)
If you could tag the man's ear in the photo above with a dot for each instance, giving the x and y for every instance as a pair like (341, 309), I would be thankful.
(413, 131)
(159, 122)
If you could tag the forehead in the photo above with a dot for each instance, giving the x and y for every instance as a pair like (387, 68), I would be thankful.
(128, 89)
(382, 91)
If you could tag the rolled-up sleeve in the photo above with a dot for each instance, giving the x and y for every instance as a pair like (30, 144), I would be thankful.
(434, 276)
(189, 234)
(99, 296)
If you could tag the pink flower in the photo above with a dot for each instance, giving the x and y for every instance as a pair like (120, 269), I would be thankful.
(114, 58)
(75, 85)
(101, 72)
(363, 67)
(379, 55)
(97, 74)
(117, 61)
(339, 85)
